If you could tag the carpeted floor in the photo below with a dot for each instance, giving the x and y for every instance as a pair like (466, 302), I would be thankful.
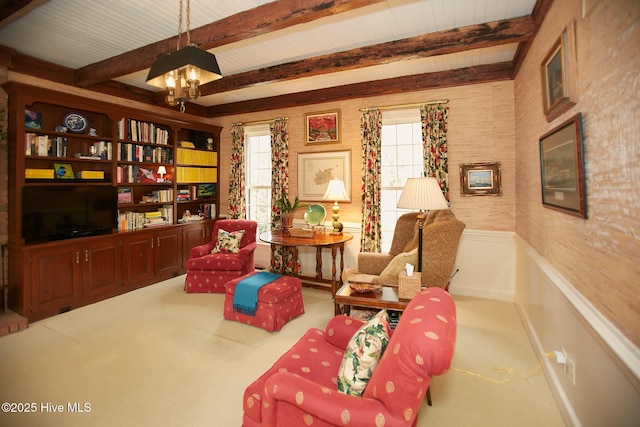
(160, 357)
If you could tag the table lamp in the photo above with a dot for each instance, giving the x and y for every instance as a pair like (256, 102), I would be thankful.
(337, 192)
(423, 194)
(161, 171)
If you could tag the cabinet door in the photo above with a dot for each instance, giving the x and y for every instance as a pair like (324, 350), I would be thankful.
(168, 253)
(55, 280)
(138, 259)
(102, 269)
(193, 235)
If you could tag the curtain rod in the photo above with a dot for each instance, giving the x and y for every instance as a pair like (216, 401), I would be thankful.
(260, 122)
(417, 104)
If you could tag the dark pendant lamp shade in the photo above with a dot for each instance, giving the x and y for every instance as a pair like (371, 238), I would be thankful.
(188, 55)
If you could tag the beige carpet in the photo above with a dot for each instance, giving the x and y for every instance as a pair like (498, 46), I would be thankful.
(160, 357)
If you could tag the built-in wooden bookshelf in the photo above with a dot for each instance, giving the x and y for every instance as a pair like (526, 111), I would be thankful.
(145, 160)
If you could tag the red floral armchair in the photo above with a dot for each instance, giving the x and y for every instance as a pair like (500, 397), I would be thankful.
(301, 387)
(209, 272)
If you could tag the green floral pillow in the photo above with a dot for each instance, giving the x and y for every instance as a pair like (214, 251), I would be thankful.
(228, 242)
(362, 354)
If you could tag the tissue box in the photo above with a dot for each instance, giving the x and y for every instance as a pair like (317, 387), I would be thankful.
(409, 286)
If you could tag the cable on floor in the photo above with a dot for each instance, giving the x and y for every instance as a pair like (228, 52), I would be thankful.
(508, 371)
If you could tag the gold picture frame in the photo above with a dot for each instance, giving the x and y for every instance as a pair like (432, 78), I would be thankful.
(480, 179)
(322, 127)
(558, 73)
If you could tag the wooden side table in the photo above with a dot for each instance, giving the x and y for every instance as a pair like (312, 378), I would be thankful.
(319, 241)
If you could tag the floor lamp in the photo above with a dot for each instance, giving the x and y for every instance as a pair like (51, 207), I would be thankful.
(423, 194)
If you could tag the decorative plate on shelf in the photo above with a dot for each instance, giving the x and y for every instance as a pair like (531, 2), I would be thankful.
(315, 215)
(75, 122)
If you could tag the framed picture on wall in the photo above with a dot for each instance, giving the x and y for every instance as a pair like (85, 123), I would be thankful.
(480, 179)
(562, 168)
(315, 170)
(559, 75)
(322, 128)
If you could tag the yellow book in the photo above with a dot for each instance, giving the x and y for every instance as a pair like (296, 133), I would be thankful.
(38, 173)
(90, 175)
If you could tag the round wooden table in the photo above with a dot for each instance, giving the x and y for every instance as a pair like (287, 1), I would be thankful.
(320, 241)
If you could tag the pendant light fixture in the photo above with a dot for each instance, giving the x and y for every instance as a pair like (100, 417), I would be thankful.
(182, 72)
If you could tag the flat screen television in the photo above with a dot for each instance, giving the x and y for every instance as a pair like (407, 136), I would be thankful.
(67, 211)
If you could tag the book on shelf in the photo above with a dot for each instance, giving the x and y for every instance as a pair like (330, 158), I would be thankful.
(90, 174)
(38, 173)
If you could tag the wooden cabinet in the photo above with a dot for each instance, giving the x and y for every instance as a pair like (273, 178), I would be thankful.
(193, 235)
(61, 276)
(63, 141)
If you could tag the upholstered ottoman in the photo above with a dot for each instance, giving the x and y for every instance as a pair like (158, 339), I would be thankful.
(278, 302)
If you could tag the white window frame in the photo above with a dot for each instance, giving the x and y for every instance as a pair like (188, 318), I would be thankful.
(406, 164)
(264, 221)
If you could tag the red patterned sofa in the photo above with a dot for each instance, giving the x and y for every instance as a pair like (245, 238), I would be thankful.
(301, 387)
(209, 272)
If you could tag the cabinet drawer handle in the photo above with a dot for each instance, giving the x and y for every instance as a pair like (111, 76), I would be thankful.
(158, 240)
(86, 255)
(77, 257)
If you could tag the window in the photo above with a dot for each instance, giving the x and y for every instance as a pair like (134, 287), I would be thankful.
(258, 175)
(401, 158)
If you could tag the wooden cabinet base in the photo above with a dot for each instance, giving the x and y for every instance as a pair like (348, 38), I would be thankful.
(56, 277)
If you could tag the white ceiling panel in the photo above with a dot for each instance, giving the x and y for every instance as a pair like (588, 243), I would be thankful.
(76, 33)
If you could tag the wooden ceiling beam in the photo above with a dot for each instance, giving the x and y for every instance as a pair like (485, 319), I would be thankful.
(449, 78)
(441, 43)
(251, 23)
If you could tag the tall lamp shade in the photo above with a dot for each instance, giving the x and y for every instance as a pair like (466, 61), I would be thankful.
(422, 194)
(337, 192)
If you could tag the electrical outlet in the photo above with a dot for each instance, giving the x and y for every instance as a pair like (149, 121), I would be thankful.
(570, 367)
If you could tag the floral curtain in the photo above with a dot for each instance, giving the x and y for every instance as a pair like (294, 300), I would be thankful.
(237, 208)
(434, 138)
(371, 137)
(279, 185)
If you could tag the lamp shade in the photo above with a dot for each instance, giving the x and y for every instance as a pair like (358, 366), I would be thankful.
(336, 191)
(422, 194)
(204, 61)
(162, 170)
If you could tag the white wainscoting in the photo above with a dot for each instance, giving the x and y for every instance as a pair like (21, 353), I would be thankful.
(607, 364)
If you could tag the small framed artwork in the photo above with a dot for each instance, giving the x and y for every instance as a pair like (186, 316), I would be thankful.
(32, 119)
(63, 171)
(315, 170)
(322, 128)
(559, 75)
(125, 195)
(480, 179)
(562, 168)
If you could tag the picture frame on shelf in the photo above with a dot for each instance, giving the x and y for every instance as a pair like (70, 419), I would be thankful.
(32, 119)
(315, 170)
(481, 179)
(558, 71)
(125, 195)
(322, 128)
(63, 171)
(562, 174)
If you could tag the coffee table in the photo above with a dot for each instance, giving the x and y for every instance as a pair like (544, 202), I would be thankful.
(346, 298)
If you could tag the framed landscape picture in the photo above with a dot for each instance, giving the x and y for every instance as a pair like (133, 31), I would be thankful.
(562, 168)
(480, 179)
(315, 170)
(559, 75)
(322, 128)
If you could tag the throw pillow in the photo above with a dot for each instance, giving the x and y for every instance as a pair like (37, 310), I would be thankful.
(397, 263)
(362, 354)
(228, 242)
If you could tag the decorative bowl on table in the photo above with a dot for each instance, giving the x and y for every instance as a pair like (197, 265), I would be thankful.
(362, 288)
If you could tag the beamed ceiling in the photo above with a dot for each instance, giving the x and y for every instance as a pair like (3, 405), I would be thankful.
(273, 54)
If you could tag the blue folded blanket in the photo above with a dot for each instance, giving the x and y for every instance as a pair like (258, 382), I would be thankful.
(245, 298)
